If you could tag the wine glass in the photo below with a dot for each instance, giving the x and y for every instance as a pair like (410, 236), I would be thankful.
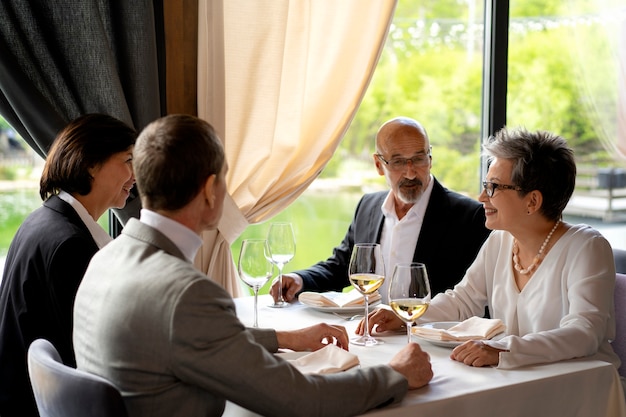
(409, 293)
(255, 268)
(282, 244)
(367, 274)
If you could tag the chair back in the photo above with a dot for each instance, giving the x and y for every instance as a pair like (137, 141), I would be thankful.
(619, 343)
(63, 391)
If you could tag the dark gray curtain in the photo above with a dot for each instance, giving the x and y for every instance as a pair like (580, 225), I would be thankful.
(60, 59)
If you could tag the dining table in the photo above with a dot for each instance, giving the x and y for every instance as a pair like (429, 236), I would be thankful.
(578, 387)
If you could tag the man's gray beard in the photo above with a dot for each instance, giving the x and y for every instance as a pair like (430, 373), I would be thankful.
(412, 198)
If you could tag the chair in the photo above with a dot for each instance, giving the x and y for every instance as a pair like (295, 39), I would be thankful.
(63, 391)
(620, 260)
(619, 343)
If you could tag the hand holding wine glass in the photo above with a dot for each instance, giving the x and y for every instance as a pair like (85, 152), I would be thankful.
(409, 292)
(282, 244)
(367, 274)
(255, 267)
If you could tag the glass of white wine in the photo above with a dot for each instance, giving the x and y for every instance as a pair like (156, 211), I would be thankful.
(367, 274)
(282, 244)
(255, 267)
(409, 293)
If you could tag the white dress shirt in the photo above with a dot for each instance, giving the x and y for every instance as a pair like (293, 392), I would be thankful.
(399, 236)
(100, 236)
(184, 238)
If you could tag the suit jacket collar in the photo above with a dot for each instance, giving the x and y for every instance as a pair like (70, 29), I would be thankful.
(56, 204)
(140, 231)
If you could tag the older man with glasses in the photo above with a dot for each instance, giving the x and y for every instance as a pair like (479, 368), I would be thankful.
(417, 220)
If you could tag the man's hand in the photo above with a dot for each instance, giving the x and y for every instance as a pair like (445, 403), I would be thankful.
(313, 338)
(292, 284)
(414, 364)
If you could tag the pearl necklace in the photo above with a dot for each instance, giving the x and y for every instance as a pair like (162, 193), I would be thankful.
(537, 259)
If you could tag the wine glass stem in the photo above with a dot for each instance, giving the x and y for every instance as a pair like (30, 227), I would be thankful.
(280, 286)
(408, 331)
(366, 332)
(256, 309)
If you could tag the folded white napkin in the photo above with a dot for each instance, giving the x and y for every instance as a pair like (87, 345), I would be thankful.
(336, 299)
(327, 360)
(474, 328)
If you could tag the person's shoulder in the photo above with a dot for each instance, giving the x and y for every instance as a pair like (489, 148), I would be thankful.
(48, 226)
(582, 231)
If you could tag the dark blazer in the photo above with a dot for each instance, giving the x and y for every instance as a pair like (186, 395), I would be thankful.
(46, 261)
(452, 233)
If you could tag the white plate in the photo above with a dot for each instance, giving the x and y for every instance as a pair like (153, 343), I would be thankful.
(342, 310)
(445, 325)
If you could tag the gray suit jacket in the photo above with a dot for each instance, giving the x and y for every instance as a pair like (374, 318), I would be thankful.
(168, 337)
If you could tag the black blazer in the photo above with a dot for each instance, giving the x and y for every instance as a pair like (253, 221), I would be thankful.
(453, 230)
(44, 266)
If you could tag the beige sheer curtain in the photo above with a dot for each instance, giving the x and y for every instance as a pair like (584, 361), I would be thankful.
(621, 85)
(601, 69)
(280, 80)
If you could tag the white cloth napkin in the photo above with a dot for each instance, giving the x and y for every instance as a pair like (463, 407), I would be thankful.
(336, 299)
(474, 328)
(327, 360)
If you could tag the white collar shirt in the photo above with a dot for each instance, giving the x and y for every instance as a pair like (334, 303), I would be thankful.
(183, 237)
(398, 239)
(99, 235)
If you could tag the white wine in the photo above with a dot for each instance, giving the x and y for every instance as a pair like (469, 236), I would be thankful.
(367, 283)
(408, 309)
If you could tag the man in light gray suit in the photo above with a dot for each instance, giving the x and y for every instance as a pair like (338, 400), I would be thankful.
(168, 337)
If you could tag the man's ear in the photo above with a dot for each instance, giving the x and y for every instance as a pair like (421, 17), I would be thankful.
(378, 164)
(209, 190)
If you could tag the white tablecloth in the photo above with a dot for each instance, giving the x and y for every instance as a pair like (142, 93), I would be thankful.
(580, 387)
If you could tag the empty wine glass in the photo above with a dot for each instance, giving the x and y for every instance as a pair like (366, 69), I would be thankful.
(367, 274)
(409, 293)
(255, 268)
(282, 244)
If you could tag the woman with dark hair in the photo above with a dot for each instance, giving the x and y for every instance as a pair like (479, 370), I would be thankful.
(549, 281)
(88, 171)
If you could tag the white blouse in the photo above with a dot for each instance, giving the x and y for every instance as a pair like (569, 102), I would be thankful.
(565, 311)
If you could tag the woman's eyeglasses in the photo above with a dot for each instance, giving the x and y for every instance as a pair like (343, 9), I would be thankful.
(490, 187)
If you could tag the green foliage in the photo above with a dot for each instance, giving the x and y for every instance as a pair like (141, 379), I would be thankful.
(8, 173)
(320, 219)
(534, 8)
(4, 124)
(14, 207)
(456, 171)
(562, 78)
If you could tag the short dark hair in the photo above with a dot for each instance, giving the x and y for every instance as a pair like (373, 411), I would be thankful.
(86, 142)
(173, 158)
(541, 161)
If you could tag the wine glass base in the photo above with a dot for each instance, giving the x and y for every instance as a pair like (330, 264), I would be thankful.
(366, 341)
(280, 304)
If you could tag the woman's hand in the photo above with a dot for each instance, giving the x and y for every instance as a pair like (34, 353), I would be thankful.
(313, 337)
(476, 353)
(383, 319)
